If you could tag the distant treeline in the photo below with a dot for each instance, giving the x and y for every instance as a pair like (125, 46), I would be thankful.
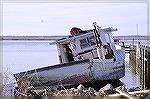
(131, 37)
(31, 37)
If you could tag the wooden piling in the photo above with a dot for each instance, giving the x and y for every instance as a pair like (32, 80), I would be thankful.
(140, 62)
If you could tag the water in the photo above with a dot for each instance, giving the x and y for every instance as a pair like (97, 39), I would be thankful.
(25, 55)
(130, 79)
(135, 42)
(21, 55)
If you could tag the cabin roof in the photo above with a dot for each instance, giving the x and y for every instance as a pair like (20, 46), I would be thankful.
(69, 38)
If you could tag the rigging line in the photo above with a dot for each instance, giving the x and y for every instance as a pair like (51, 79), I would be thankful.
(97, 37)
(37, 76)
(19, 80)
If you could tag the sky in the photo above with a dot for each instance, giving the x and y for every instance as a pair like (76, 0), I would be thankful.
(48, 19)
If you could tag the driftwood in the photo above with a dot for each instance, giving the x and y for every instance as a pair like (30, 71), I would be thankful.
(122, 90)
(108, 91)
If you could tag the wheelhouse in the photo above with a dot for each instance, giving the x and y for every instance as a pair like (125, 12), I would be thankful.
(89, 44)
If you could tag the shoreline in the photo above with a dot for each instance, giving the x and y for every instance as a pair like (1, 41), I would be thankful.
(130, 37)
(31, 39)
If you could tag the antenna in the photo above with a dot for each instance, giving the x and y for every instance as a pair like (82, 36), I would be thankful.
(137, 28)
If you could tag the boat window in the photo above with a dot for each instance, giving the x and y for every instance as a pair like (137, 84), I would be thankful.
(91, 40)
(111, 37)
(68, 53)
(107, 38)
(109, 51)
(83, 43)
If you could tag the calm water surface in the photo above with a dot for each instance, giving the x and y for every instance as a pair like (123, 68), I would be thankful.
(24, 55)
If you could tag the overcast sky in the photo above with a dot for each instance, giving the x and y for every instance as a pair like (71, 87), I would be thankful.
(58, 18)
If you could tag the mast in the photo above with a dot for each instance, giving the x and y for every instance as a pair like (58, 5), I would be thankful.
(98, 42)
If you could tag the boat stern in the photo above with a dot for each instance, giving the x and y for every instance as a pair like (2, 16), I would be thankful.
(107, 70)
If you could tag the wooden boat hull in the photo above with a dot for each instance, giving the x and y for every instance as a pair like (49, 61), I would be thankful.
(72, 73)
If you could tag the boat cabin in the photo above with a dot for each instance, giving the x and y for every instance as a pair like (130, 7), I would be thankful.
(96, 43)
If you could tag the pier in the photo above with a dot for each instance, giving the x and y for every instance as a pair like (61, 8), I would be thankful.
(139, 57)
(140, 63)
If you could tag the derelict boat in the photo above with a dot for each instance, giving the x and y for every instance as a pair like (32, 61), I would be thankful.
(84, 56)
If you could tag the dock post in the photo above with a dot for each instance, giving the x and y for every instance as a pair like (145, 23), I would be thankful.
(1, 69)
(132, 59)
(148, 70)
(140, 63)
(148, 63)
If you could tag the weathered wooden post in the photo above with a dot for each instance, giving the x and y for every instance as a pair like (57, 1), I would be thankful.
(147, 84)
(132, 58)
(1, 69)
(140, 62)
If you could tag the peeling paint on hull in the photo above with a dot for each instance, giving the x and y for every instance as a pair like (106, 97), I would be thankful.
(75, 74)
